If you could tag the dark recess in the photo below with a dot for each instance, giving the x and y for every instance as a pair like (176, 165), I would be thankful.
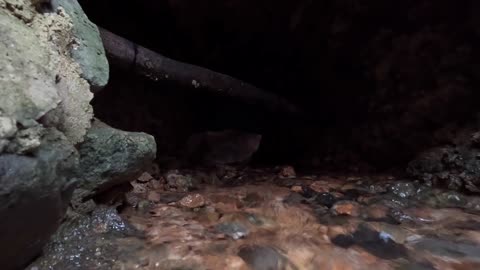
(380, 80)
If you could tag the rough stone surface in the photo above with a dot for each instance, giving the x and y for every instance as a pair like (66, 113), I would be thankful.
(88, 51)
(27, 86)
(454, 167)
(34, 193)
(192, 201)
(44, 111)
(76, 244)
(110, 157)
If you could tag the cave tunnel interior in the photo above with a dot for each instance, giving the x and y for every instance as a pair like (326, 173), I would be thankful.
(377, 81)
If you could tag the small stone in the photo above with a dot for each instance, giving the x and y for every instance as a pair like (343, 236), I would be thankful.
(263, 257)
(234, 230)
(235, 262)
(297, 189)
(145, 177)
(143, 205)
(349, 208)
(138, 188)
(192, 201)
(287, 172)
(403, 189)
(319, 186)
(180, 182)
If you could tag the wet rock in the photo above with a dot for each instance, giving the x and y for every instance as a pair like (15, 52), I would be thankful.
(88, 50)
(110, 157)
(87, 242)
(263, 258)
(192, 201)
(181, 182)
(222, 147)
(320, 186)
(139, 187)
(451, 199)
(450, 249)
(287, 172)
(297, 189)
(403, 189)
(34, 190)
(453, 167)
(348, 208)
(233, 229)
(325, 199)
(377, 243)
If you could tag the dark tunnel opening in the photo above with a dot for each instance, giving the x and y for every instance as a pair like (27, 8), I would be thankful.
(379, 82)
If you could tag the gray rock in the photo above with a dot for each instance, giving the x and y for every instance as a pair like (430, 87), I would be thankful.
(181, 182)
(264, 258)
(76, 244)
(403, 189)
(234, 230)
(454, 167)
(34, 193)
(28, 88)
(89, 52)
(109, 157)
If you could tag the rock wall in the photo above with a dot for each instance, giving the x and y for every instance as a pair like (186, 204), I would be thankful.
(51, 57)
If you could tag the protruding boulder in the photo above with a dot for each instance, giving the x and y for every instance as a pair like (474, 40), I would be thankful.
(109, 157)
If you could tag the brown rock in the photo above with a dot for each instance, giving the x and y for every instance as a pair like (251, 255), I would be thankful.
(192, 201)
(145, 177)
(349, 208)
(320, 186)
(297, 189)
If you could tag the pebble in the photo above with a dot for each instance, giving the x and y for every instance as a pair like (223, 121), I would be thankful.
(297, 189)
(145, 177)
(263, 258)
(348, 208)
(403, 189)
(234, 230)
(180, 182)
(325, 199)
(320, 186)
(192, 201)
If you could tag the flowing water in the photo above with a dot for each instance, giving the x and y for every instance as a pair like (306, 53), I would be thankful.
(266, 219)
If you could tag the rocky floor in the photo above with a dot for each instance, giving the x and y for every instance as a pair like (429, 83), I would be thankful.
(273, 219)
